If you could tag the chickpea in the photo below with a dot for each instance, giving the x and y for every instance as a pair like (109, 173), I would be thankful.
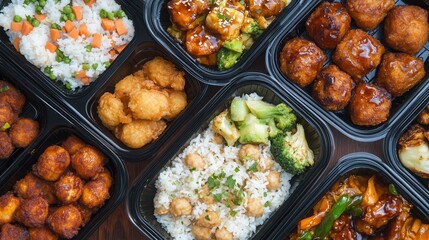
(249, 152)
(268, 162)
(209, 219)
(273, 179)
(161, 210)
(201, 233)
(223, 234)
(205, 195)
(180, 207)
(255, 207)
(194, 160)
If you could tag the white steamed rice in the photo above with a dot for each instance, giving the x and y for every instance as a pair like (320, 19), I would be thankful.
(178, 181)
(32, 46)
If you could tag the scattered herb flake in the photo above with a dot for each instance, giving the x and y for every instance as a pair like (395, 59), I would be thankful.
(220, 16)
(253, 168)
(4, 89)
(207, 217)
(230, 182)
(233, 213)
(218, 197)
(267, 204)
(237, 169)
(192, 169)
(212, 183)
(265, 194)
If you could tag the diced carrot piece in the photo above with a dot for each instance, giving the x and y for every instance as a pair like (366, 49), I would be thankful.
(121, 48)
(40, 17)
(120, 27)
(108, 25)
(27, 27)
(77, 10)
(80, 74)
(16, 43)
(85, 81)
(55, 34)
(96, 41)
(112, 53)
(89, 2)
(83, 30)
(69, 26)
(74, 33)
(51, 47)
(15, 26)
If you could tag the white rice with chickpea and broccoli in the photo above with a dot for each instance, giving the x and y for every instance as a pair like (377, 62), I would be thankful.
(72, 41)
(215, 190)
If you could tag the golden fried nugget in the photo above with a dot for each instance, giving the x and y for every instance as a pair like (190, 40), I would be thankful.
(12, 96)
(96, 192)
(52, 163)
(185, 14)
(33, 212)
(88, 161)
(6, 146)
(176, 103)
(369, 13)
(111, 111)
(32, 186)
(148, 104)
(68, 188)
(23, 132)
(140, 132)
(72, 144)
(164, 74)
(7, 115)
(13, 232)
(65, 221)
(41, 234)
(124, 87)
(8, 206)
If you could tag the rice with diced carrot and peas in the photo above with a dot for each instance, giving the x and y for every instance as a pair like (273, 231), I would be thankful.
(70, 41)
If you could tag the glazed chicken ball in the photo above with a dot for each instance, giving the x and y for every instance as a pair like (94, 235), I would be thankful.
(65, 221)
(6, 146)
(7, 116)
(328, 24)
(41, 234)
(333, 88)
(138, 133)
(358, 54)
(32, 186)
(96, 192)
(149, 104)
(369, 13)
(8, 206)
(73, 144)
(265, 8)
(255, 207)
(177, 103)
(399, 72)
(180, 207)
(370, 105)
(406, 28)
(165, 74)
(195, 161)
(301, 61)
(10, 231)
(201, 233)
(88, 161)
(68, 188)
(52, 163)
(199, 42)
(33, 212)
(424, 117)
(223, 234)
(12, 96)
(23, 132)
(111, 111)
(185, 14)
(227, 28)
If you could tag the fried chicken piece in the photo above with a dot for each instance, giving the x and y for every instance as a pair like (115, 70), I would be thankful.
(23, 132)
(10, 231)
(265, 8)
(85, 212)
(176, 103)
(369, 105)
(164, 74)
(333, 88)
(52, 163)
(96, 192)
(138, 133)
(369, 13)
(111, 111)
(88, 161)
(148, 104)
(12, 96)
(41, 234)
(343, 228)
(328, 24)
(8, 206)
(65, 221)
(225, 21)
(6, 146)
(358, 54)
(68, 188)
(399, 72)
(124, 87)
(73, 144)
(33, 212)
(199, 43)
(32, 186)
(185, 14)
(406, 28)
(424, 116)
(7, 115)
(301, 61)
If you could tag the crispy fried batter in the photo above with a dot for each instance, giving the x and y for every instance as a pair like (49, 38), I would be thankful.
(177, 102)
(24, 131)
(10, 231)
(8, 205)
(68, 188)
(149, 104)
(140, 132)
(32, 186)
(6, 146)
(41, 234)
(7, 115)
(12, 96)
(96, 191)
(87, 162)
(369, 13)
(111, 111)
(33, 212)
(72, 144)
(414, 136)
(52, 163)
(65, 221)
(165, 74)
(185, 14)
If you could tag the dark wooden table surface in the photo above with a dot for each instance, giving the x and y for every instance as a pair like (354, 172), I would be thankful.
(118, 226)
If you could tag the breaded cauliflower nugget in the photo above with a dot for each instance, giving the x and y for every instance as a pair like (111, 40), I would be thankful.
(165, 74)
(8, 206)
(65, 221)
(72, 144)
(149, 104)
(32, 186)
(140, 132)
(33, 212)
(52, 163)
(88, 162)
(111, 111)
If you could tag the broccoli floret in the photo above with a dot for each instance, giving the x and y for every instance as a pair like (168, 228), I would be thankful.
(292, 152)
(272, 128)
(224, 126)
(253, 130)
(283, 115)
(227, 58)
(252, 28)
(234, 45)
(239, 110)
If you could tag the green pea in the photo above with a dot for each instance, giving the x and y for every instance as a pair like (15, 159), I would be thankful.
(58, 58)
(110, 16)
(26, 2)
(52, 76)
(67, 60)
(17, 18)
(71, 16)
(88, 48)
(68, 86)
(103, 13)
(106, 64)
(67, 9)
(35, 23)
(28, 18)
(95, 66)
(47, 70)
(39, 10)
(64, 17)
(42, 3)
(85, 66)
(120, 14)
(55, 26)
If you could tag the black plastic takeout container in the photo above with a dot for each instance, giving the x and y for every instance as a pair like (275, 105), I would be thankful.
(56, 125)
(355, 163)
(140, 197)
(341, 120)
(391, 147)
(86, 107)
(57, 88)
(157, 19)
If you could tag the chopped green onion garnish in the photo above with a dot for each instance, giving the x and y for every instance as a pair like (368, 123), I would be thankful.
(4, 89)
(6, 126)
